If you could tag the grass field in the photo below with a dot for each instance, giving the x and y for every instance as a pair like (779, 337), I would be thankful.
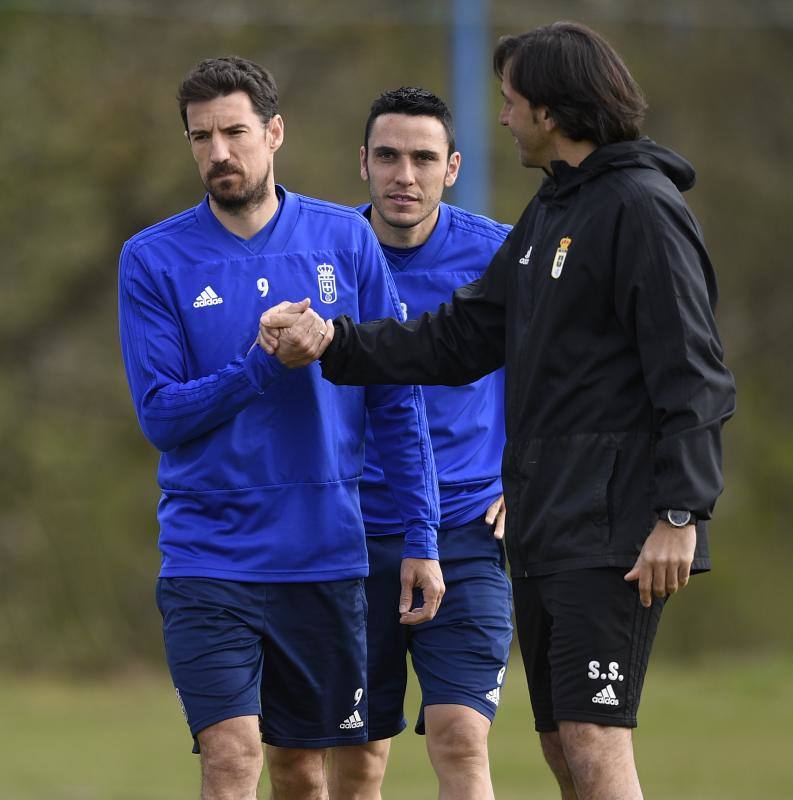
(721, 729)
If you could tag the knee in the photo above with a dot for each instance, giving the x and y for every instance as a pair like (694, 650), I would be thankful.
(458, 746)
(357, 772)
(365, 765)
(296, 772)
(231, 755)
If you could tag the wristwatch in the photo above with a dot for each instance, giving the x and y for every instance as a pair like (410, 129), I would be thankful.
(675, 517)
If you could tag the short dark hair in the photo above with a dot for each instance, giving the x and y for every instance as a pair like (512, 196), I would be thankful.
(579, 77)
(414, 101)
(217, 77)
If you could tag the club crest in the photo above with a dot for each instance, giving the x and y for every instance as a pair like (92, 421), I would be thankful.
(561, 255)
(327, 283)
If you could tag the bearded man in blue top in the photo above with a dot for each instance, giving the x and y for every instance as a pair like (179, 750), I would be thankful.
(460, 657)
(262, 541)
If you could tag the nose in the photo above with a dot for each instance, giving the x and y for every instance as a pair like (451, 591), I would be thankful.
(503, 117)
(219, 151)
(405, 176)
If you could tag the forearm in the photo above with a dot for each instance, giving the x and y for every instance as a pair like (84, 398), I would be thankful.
(693, 394)
(451, 347)
(173, 413)
(174, 405)
(400, 429)
(687, 463)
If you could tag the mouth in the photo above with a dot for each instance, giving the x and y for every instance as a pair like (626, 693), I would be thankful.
(402, 199)
(226, 173)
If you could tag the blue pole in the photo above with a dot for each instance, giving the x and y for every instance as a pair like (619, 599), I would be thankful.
(470, 78)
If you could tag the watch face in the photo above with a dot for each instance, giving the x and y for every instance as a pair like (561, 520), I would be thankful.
(678, 518)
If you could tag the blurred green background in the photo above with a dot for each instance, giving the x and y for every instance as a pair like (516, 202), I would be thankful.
(92, 151)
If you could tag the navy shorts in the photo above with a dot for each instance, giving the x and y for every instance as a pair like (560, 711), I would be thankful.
(460, 656)
(292, 653)
(585, 640)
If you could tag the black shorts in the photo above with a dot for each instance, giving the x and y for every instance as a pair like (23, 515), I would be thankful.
(585, 640)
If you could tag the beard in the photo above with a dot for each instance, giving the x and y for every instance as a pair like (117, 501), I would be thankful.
(244, 197)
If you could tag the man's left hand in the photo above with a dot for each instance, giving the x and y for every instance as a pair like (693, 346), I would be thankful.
(424, 574)
(664, 563)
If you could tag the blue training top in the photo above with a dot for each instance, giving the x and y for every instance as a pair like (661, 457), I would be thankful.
(466, 422)
(260, 464)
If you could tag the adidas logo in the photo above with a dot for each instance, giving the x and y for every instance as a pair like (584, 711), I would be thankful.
(606, 697)
(181, 704)
(207, 298)
(353, 721)
(494, 695)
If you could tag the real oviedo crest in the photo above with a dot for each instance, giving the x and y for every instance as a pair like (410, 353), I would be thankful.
(559, 258)
(327, 283)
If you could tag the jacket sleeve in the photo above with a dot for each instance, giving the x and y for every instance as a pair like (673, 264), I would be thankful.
(458, 344)
(171, 407)
(399, 421)
(665, 295)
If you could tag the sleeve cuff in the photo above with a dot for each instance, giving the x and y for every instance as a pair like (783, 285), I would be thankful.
(328, 361)
(421, 543)
(261, 369)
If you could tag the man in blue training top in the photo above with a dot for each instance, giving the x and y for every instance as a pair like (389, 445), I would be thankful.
(460, 657)
(262, 541)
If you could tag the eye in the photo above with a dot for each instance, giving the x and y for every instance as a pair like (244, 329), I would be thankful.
(200, 137)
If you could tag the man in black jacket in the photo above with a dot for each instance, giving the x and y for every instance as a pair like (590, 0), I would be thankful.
(601, 304)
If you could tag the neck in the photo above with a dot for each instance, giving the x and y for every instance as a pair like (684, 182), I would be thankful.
(572, 152)
(394, 236)
(247, 222)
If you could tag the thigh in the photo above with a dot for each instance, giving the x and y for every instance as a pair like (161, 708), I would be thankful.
(386, 639)
(460, 657)
(533, 624)
(314, 686)
(212, 632)
(600, 645)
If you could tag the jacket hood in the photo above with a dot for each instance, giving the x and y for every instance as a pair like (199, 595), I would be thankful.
(643, 153)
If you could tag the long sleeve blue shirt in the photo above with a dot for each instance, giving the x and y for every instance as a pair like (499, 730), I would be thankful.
(466, 422)
(260, 465)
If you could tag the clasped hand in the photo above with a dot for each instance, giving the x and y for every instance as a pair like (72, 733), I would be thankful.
(294, 333)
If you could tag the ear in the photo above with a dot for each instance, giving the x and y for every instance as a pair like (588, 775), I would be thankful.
(546, 119)
(452, 169)
(275, 127)
(364, 170)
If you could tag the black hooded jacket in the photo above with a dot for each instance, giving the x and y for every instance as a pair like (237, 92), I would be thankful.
(601, 304)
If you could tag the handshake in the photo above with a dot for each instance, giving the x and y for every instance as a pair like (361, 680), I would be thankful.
(294, 333)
